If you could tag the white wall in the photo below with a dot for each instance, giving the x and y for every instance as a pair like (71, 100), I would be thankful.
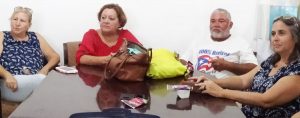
(172, 24)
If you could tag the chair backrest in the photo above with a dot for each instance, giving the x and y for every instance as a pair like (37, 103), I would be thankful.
(70, 49)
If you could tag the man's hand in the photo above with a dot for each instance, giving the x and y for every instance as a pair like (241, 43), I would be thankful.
(219, 64)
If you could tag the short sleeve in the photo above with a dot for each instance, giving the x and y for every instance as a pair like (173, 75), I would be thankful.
(266, 63)
(247, 54)
(189, 53)
(294, 68)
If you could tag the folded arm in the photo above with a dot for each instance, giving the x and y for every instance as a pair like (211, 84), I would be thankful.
(94, 60)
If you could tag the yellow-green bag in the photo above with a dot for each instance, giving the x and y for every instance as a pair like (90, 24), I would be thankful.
(165, 65)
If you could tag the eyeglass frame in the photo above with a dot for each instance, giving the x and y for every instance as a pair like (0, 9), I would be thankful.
(20, 8)
(26, 10)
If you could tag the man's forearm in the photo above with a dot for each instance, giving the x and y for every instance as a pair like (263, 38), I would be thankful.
(240, 69)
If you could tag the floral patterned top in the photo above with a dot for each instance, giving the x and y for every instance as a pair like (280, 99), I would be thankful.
(262, 82)
(22, 57)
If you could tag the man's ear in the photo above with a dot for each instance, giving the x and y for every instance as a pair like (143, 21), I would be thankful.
(231, 24)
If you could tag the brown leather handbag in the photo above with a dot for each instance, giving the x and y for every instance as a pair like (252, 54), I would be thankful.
(130, 63)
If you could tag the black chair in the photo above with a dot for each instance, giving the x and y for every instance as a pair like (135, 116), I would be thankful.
(112, 113)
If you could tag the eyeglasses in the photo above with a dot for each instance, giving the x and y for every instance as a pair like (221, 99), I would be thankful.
(19, 8)
(289, 20)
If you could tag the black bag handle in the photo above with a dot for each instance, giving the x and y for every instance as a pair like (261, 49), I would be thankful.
(112, 113)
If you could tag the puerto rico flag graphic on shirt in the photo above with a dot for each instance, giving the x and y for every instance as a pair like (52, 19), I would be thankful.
(203, 63)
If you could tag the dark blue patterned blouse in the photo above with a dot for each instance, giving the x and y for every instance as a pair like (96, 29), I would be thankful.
(262, 82)
(21, 57)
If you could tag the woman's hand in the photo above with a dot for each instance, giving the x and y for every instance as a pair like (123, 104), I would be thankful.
(192, 81)
(11, 82)
(43, 71)
(199, 79)
(210, 88)
(109, 57)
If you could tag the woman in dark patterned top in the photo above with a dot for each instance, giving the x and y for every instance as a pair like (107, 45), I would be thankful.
(272, 89)
(25, 57)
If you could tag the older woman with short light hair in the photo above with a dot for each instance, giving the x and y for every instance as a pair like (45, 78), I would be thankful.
(25, 57)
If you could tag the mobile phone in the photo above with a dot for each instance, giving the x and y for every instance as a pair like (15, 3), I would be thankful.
(127, 96)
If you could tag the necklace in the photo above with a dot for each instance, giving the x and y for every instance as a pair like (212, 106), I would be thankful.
(20, 39)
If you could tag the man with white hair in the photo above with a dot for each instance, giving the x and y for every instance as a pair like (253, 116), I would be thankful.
(222, 54)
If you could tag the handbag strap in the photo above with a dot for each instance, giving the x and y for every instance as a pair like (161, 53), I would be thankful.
(122, 49)
(106, 76)
(150, 55)
(124, 45)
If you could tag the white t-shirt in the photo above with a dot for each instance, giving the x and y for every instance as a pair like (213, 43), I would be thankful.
(234, 49)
